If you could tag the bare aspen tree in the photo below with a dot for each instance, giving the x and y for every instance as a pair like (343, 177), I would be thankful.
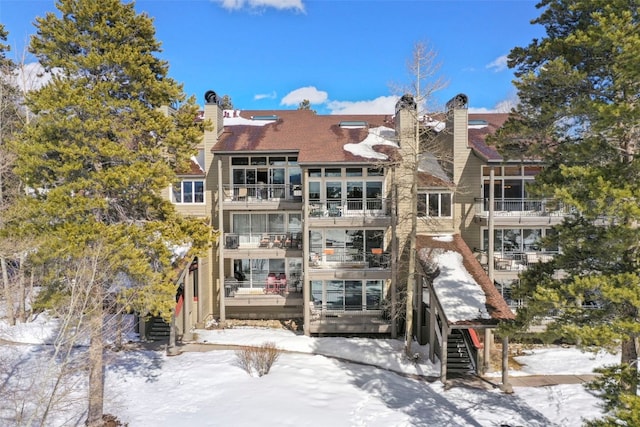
(416, 138)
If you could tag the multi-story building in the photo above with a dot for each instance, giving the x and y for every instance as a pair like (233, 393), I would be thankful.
(314, 215)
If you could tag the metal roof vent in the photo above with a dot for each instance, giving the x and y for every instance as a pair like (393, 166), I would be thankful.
(478, 123)
(354, 124)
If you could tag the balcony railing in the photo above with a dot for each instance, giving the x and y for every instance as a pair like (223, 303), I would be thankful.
(374, 207)
(343, 258)
(518, 261)
(521, 207)
(288, 240)
(256, 287)
(261, 192)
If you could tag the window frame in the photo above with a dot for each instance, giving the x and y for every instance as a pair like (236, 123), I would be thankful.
(193, 191)
(424, 199)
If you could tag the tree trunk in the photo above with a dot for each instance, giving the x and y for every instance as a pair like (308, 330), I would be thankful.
(8, 294)
(119, 331)
(629, 356)
(96, 372)
(22, 294)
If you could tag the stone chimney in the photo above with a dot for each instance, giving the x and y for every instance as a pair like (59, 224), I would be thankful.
(406, 116)
(458, 129)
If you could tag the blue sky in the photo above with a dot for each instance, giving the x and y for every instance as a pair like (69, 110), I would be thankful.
(343, 55)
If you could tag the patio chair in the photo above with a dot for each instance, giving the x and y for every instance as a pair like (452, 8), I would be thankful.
(282, 283)
(242, 193)
(265, 241)
(270, 286)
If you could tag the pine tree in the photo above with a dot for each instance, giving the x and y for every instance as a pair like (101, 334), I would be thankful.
(97, 155)
(305, 104)
(11, 122)
(226, 102)
(578, 88)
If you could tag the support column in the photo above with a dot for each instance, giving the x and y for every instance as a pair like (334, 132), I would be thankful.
(221, 288)
(306, 285)
(488, 342)
(394, 255)
(443, 353)
(505, 387)
(490, 231)
(433, 324)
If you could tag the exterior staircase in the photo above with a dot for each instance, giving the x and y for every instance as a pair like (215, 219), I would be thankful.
(157, 329)
(460, 358)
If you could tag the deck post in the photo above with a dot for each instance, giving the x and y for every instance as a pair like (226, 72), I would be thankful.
(506, 386)
(443, 353)
(486, 362)
(306, 283)
(221, 289)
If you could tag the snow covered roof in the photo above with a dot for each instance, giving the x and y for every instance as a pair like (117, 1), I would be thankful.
(461, 285)
(430, 172)
(316, 138)
(234, 118)
(377, 136)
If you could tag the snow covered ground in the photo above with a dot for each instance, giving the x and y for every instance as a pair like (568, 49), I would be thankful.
(316, 382)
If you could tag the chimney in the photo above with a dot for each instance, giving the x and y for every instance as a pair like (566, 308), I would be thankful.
(406, 116)
(458, 128)
(213, 112)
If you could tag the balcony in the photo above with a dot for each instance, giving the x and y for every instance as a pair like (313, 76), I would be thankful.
(340, 258)
(239, 195)
(266, 298)
(517, 261)
(349, 321)
(522, 211)
(288, 240)
(374, 211)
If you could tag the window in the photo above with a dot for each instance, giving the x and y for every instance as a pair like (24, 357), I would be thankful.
(189, 192)
(255, 271)
(345, 245)
(347, 295)
(510, 185)
(434, 205)
(509, 240)
(257, 223)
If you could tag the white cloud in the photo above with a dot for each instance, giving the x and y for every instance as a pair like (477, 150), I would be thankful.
(258, 4)
(380, 105)
(314, 96)
(498, 64)
(481, 110)
(260, 96)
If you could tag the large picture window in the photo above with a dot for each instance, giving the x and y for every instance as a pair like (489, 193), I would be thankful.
(343, 245)
(273, 177)
(188, 191)
(346, 295)
(514, 240)
(434, 204)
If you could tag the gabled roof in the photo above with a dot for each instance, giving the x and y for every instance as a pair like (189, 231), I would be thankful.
(478, 135)
(452, 298)
(316, 138)
(193, 169)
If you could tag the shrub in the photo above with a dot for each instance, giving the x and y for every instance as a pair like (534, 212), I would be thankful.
(258, 359)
